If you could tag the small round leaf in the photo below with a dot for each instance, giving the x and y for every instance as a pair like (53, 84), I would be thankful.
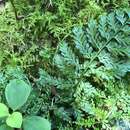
(36, 123)
(17, 92)
(3, 110)
(14, 120)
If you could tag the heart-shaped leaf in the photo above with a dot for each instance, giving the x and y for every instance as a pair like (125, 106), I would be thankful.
(14, 120)
(36, 123)
(5, 127)
(17, 92)
(3, 110)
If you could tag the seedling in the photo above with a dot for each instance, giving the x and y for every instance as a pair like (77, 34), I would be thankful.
(17, 93)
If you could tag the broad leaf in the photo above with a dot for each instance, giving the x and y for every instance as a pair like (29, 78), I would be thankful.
(3, 110)
(14, 120)
(36, 123)
(17, 92)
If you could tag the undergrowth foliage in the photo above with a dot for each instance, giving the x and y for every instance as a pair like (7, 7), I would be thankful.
(55, 17)
(43, 22)
(86, 69)
(83, 58)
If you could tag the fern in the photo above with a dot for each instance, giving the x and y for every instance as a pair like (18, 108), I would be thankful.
(96, 45)
(99, 54)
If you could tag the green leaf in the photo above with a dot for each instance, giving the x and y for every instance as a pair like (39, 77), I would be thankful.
(14, 120)
(17, 92)
(3, 110)
(5, 127)
(36, 123)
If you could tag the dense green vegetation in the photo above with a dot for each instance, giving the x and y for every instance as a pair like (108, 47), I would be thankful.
(75, 57)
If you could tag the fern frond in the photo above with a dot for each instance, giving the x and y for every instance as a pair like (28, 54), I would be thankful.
(66, 60)
(47, 80)
(105, 42)
(80, 42)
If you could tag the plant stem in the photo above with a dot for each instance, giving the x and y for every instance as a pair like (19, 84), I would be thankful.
(15, 11)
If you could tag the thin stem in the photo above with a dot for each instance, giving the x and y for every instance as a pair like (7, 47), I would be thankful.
(15, 12)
